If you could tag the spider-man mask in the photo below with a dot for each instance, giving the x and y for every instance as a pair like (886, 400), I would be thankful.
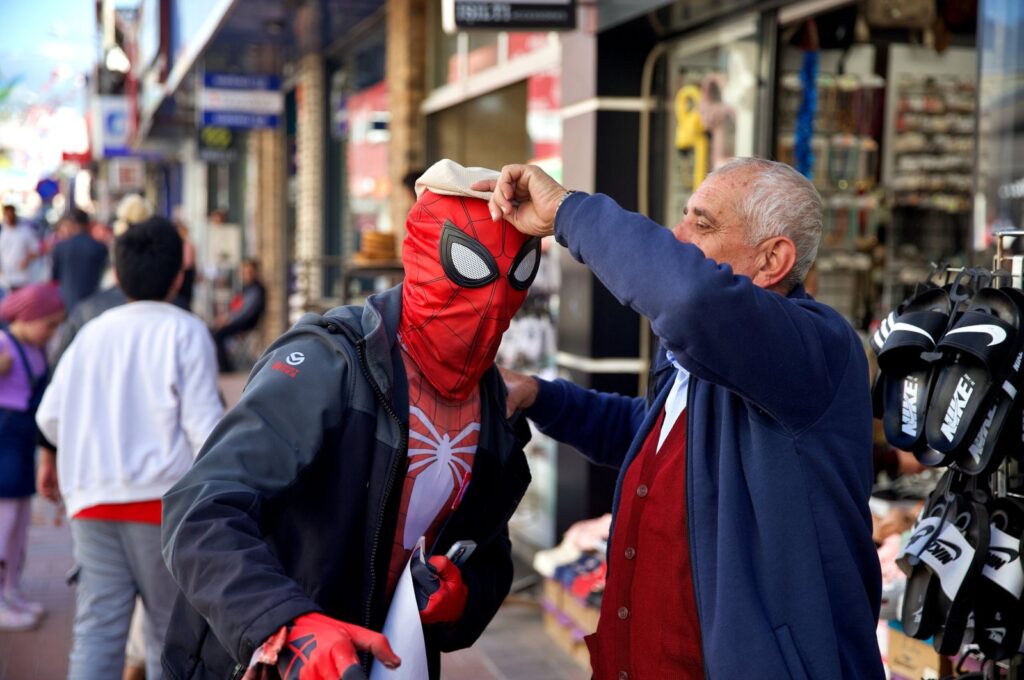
(465, 278)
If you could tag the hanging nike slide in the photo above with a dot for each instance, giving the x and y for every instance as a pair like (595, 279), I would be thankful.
(998, 619)
(905, 375)
(950, 548)
(978, 354)
(989, 447)
(920, 616)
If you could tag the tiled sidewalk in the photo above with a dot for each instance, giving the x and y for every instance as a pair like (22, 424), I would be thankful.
(513, 648)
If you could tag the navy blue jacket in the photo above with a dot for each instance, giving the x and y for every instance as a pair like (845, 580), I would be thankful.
(778, 458)
(78, 264)
(292, 504)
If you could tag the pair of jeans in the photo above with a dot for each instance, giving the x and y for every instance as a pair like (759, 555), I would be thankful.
(117, 561)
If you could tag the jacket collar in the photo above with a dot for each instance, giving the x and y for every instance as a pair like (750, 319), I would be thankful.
(379, 323)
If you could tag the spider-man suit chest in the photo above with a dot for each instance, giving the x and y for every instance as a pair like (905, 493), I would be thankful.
(443, 438)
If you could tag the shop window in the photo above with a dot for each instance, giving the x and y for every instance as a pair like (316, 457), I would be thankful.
(1000, 181)
(522, 44)
(369, 184)
(712, 97)
(467, 53)
(465, 132)
(482, 52)
(890, 148)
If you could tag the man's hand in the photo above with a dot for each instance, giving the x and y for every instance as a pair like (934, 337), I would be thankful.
(320, 647)
(440, 591)
(46, 475)
(522, 390)
(526, 196)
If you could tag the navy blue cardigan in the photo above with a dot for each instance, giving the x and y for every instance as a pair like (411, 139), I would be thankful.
(779, 466)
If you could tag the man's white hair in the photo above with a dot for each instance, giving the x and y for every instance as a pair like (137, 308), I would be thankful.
(779, 201)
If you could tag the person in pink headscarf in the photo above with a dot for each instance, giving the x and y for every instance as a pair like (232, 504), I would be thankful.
(32, 315)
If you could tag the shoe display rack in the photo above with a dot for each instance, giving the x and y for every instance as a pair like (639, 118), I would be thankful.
(950, 389)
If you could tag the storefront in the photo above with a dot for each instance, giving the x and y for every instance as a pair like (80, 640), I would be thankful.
(883, 125)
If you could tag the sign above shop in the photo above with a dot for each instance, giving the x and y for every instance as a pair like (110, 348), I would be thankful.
(459, 15)
(217, 145)
(240, 101)
(110, 122)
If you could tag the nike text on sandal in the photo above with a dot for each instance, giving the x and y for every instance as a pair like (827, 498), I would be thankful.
(978, 354)
(904, 374)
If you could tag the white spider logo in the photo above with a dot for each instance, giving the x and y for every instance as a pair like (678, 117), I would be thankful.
(436, 470)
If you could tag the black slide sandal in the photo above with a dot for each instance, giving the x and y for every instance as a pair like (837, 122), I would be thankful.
(905, 376)
(920, 616)
(990, 446)
(958, 555)
(978, 353)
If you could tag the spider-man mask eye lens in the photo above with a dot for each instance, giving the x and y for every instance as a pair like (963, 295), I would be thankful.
(465, 260)
(524, 268)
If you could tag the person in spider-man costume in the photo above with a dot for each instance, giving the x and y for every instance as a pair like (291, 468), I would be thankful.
(359, 432)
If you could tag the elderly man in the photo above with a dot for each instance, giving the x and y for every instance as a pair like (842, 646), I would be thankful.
(741, 545)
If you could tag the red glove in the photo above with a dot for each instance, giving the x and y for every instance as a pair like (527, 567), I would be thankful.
(321, 648)
(440, 591)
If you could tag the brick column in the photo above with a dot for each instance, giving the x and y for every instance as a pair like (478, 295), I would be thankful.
(268, 149)
(310, 180)
(406, 77)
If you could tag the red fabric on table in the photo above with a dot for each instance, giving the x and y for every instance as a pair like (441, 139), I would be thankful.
(649, 627)
(146, 512)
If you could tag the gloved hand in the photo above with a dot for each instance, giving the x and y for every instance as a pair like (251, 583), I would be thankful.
(321, 648)
(440, 591)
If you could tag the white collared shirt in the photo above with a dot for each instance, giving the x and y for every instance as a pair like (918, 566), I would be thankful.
(676, 402)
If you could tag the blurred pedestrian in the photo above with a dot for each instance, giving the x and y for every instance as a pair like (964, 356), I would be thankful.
(245, 313)
(33, 314)
(117, 456)
(132, 209)
(184, 298)
(78, 261)
(19, 247)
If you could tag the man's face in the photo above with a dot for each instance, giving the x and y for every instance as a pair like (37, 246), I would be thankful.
(10, 217)
(712, 223)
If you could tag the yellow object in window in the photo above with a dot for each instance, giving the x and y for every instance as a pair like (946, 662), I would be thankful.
(690, 132)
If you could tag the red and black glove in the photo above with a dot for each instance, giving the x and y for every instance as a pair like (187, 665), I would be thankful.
(321, 648)
(440, 591)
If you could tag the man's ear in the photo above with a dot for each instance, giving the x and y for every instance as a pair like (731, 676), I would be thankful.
(777, 259)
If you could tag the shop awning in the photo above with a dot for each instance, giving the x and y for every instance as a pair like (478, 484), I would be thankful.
(226, 31)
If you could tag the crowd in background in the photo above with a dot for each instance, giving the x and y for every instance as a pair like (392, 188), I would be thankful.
(106, 373)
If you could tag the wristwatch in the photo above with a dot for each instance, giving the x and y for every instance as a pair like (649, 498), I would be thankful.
(558, 207)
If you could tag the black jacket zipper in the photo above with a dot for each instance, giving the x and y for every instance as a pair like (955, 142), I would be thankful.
(392, 473)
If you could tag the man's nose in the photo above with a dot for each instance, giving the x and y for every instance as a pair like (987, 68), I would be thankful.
(681, 233)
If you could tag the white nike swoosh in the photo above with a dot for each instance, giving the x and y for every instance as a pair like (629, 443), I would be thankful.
(997, 333)
(900, 326)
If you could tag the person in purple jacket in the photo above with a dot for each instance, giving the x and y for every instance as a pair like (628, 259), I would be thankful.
(32, 314)
(741, 544)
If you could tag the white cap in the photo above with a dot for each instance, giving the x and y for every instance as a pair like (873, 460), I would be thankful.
(448, 178)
